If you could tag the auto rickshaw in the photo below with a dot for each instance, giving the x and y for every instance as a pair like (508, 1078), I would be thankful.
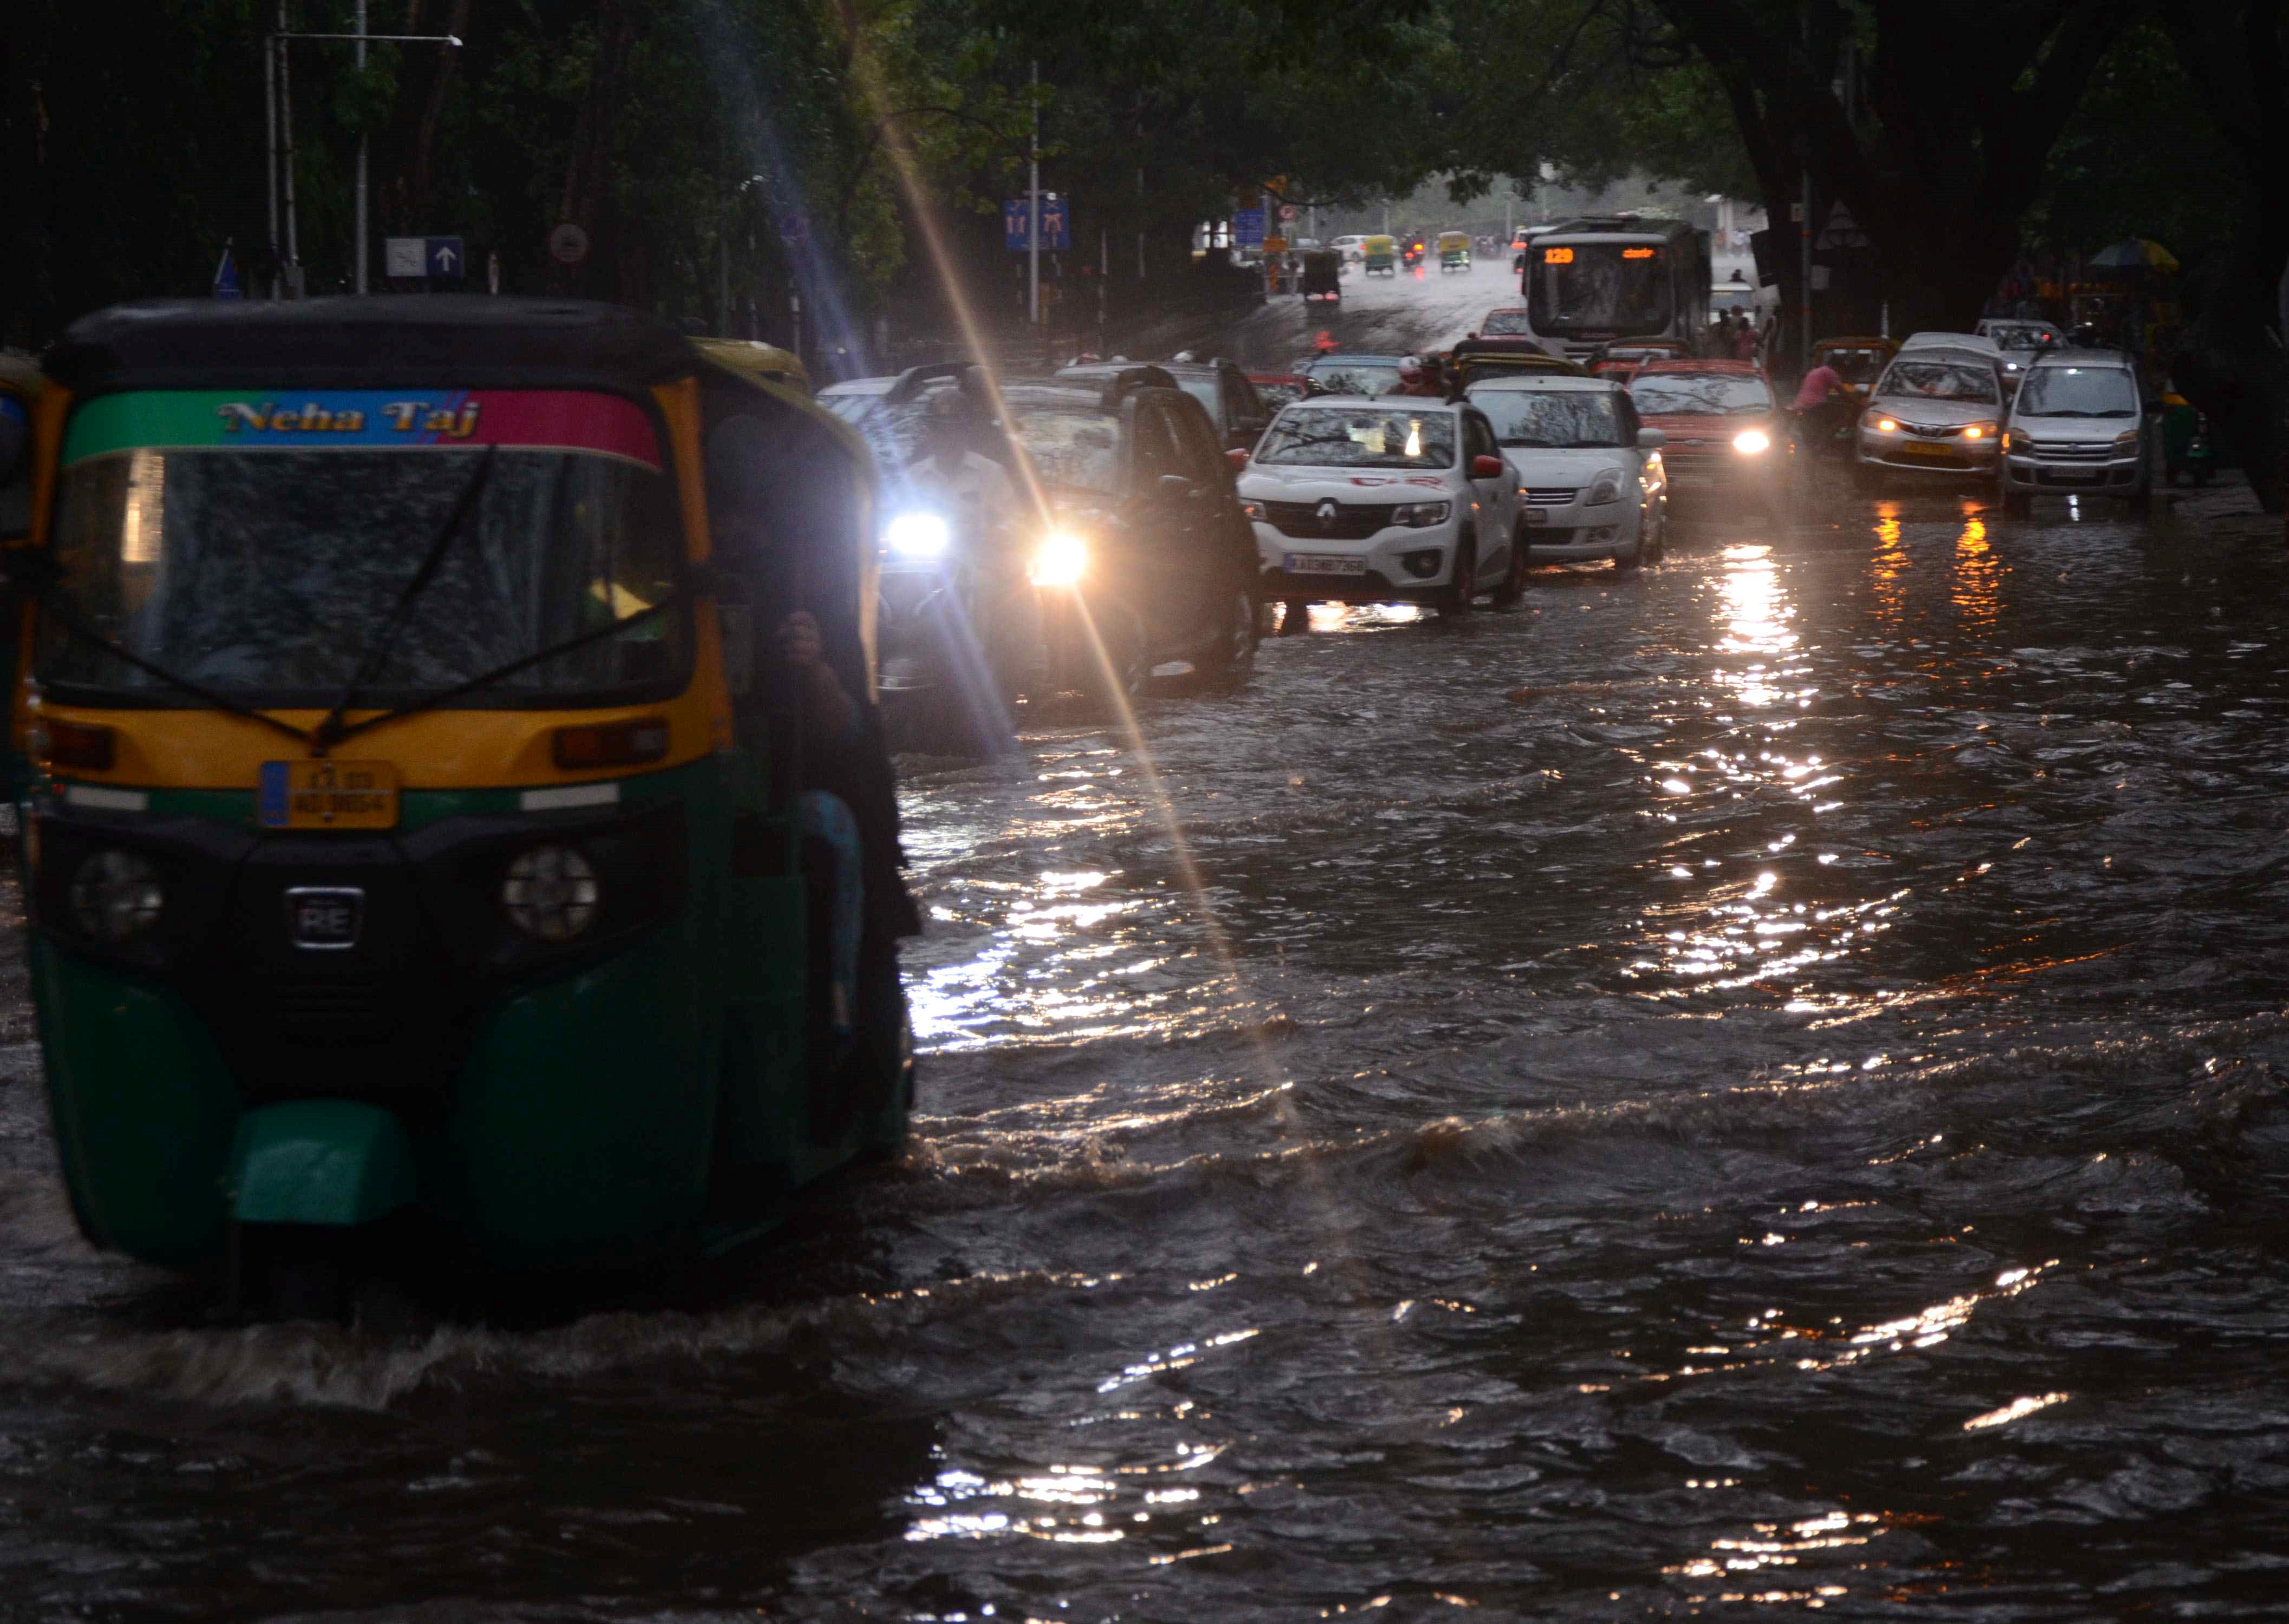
(1474, 359)
(1858, 361)
(1323, 273)
(1380, 256)
(422, 843)
(1454, 250)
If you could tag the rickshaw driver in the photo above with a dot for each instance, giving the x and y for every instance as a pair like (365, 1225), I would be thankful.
(823, 745)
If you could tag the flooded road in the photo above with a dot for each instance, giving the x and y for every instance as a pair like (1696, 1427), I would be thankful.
(1751, 1088)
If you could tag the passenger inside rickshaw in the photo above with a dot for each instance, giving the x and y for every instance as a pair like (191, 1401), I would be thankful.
(784, 513)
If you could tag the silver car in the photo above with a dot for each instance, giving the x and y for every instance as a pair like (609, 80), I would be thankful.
(1936, 414)
(2079, 427)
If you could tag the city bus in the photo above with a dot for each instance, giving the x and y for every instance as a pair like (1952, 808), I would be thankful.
(1595, 281)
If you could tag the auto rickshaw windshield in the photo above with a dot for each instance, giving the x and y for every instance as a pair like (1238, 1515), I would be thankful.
(265, 573)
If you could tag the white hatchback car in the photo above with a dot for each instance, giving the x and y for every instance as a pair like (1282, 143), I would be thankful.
(1389, 499)
(1353, 248)
(2079, 427)
(1593, 483)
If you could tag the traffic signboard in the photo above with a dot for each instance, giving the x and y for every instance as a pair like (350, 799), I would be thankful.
(1057, 225)
(1247, 228)
(226, 277)
(424, 258)
(568, 244)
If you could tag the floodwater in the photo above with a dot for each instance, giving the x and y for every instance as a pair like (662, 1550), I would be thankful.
(1749, 1089)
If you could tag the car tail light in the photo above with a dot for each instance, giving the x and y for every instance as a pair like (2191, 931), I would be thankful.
(617, 744)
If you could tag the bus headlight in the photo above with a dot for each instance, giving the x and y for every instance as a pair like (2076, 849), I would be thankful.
(550, 893)
(918, 535)
(117, 897)
(1749, 441)
(1061, 561)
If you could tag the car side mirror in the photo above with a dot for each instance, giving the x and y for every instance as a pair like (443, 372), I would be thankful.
(1238, 457)
(1485, 467)
(1174, 485)
(1651, 440)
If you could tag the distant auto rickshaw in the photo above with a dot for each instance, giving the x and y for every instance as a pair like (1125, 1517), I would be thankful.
(1380, 256)
(422, 844)
(1454, 250)
(1323, 271)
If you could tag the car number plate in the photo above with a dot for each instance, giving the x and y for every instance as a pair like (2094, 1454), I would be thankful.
(328, 795)
(1325, 563)
(1917, 447)
(1536, 515)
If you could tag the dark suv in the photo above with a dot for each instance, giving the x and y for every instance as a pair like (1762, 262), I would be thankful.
(1222, 387)
(1141, 529)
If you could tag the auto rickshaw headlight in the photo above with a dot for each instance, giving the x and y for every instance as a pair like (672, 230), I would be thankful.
(550, 893)
(1749, 441)
(117, 896)
(1061, 561)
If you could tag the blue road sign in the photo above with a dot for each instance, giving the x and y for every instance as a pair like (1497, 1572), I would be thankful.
(1057, 225)
(1247, 228)
(442, 257)
(226, 278)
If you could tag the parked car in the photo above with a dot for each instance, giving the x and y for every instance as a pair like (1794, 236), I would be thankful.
(1357, 499)
(1591, 475)
(1221, 386)
(1726, 433)
(1935, 413)
(1352, 248)
(2078, 426)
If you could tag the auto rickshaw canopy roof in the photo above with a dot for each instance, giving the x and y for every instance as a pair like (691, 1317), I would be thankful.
(471, 340)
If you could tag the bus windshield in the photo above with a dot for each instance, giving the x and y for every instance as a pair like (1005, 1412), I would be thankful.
(1616, 288)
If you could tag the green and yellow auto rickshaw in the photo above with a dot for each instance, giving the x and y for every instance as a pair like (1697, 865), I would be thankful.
(1454, 250)
(1380, 255)
(426, 834)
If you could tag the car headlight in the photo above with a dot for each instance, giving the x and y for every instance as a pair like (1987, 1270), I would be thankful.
(2126, 441)
(1883, 425)
(1979, 431)
(1254, 510)
(918, 535)
(1421, 516)
(1606, 487)
(117, 896)
(1749, 441)
(1061, 561)
(550, 893)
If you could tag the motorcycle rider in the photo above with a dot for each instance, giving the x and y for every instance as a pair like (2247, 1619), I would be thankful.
(980, 501)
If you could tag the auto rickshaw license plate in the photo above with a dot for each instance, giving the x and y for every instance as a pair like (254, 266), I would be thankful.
(327, 795)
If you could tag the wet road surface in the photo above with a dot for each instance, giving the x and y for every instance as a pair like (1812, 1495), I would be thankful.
(1748, 1089)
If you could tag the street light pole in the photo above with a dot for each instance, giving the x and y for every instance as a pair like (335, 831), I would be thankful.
(362, 156)
(1033, 215)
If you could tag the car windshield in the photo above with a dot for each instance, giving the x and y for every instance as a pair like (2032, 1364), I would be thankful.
(1507, 324)
(1700, 395)
(1359, 437)
(1278, 392)
(1550, 418)
(1355, 378)
(2026, 337)
(1204, 391)
(1076, 448)
(1618, 288)
(2077, 392)
(1939, 380)
(264, 574)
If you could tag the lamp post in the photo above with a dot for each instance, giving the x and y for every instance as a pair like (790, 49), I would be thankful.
(280, 121)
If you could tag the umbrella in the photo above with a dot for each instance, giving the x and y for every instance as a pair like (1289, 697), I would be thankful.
(2134, 254)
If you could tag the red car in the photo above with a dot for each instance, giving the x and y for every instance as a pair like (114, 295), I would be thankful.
(1621, 359)
(1726, 429)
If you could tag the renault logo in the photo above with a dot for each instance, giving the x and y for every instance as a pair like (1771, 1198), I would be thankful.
(1329, 513)
(324, 917)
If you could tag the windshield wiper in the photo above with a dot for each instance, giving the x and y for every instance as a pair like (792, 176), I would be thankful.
(76, 627)
(502, 673)
(1544, 445)
(329, 731)
(2071, 411)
